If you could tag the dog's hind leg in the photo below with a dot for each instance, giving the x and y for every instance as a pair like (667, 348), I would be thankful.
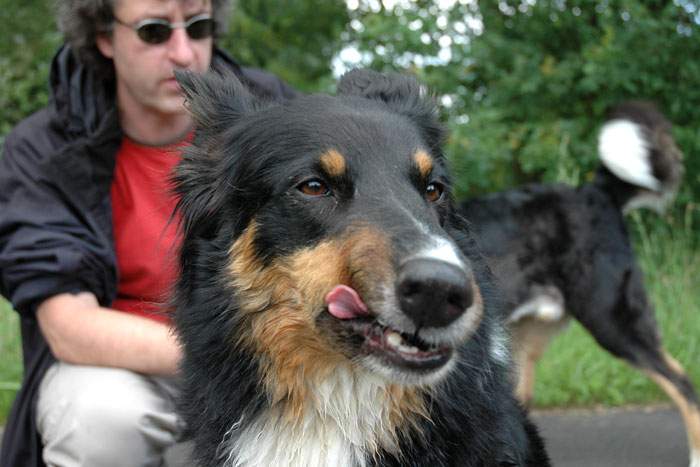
(623, 323)
(531, 336)
(532, 325)
(682, 394)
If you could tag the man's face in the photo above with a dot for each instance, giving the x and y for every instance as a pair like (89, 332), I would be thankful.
(145, 79)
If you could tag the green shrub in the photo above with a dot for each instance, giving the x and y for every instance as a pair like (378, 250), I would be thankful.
(11, 361)
(28, 43)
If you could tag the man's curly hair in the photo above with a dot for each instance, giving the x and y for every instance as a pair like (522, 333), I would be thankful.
(81, 21)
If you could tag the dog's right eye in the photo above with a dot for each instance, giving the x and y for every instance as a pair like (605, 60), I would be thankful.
(434, 191)
(313, 187)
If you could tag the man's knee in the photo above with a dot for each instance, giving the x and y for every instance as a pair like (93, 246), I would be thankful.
(95, 411)
(104, 416)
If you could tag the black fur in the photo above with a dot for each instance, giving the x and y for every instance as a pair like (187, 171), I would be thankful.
(571, 244)
(245, 165)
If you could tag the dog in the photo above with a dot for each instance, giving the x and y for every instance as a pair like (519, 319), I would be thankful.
(563, 251)
(332, 307)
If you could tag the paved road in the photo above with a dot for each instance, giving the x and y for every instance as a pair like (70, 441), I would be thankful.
(647, 437)
(639, 437)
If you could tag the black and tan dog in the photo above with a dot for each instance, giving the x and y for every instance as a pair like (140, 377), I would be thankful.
(563, 251)
(332, 307)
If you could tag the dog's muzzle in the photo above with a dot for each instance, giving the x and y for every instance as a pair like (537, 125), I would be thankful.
(434, 302)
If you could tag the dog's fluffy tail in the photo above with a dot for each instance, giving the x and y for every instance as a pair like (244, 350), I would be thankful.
(642, 163)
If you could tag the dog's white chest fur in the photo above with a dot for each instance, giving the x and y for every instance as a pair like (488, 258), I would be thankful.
(270, 442)
(345, 420)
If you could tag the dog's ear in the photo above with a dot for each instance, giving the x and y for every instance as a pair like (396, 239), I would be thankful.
(215, 100)
(402, 94)
(217, 103)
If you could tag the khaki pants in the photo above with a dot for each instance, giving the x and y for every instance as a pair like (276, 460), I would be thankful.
(103, 417)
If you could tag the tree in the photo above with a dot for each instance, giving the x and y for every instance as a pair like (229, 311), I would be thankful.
(295, 39)
(29, 39)
(528, 81)
(524, 83)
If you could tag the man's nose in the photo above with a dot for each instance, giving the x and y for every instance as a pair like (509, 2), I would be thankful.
(180, 48)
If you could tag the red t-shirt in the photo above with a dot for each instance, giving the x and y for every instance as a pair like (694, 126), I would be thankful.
(145, 236)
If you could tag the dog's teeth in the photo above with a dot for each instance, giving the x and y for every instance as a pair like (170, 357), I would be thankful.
(408, 349)
(394, 339)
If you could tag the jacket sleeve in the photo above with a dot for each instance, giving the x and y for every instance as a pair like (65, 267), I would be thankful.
(52, 219)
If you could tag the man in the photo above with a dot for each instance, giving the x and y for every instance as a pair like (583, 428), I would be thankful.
(86, 246)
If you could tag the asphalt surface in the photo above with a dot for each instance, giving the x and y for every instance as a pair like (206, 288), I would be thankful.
(639, 437)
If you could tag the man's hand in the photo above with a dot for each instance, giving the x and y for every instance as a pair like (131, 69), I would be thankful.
(80, 331)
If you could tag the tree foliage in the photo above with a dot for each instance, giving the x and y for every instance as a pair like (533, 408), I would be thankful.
(29, 39)
(529, 81)
(524, 83)
(295, 39)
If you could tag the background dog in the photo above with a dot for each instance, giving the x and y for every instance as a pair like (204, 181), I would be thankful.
(332, 308)
(564, 251)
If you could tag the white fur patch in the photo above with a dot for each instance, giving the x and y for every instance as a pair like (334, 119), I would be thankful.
(439, 248)
(625, 152)
(345, 420)
(543, 307)
(499, 346)
(695, 458)
(442, 250)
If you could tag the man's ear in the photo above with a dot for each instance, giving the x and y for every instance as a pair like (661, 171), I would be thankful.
(103, 41)
(402, 94)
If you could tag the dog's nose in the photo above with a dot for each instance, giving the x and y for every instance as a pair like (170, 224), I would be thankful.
(433, 293)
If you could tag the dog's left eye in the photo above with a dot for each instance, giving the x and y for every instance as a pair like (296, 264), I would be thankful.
(434, 191)
(313, 187)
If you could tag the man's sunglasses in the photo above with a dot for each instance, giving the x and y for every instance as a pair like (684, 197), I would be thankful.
(157, 30)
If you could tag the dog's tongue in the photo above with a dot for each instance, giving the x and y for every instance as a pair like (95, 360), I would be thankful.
(344, 303)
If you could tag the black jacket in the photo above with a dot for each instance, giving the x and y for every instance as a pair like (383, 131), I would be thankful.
(56, 218)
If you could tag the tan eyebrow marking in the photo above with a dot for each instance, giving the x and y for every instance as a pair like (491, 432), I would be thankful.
(424, 162)
(333, 163)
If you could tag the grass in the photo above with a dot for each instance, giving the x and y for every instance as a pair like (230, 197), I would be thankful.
(11, 357)
(575, 371)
